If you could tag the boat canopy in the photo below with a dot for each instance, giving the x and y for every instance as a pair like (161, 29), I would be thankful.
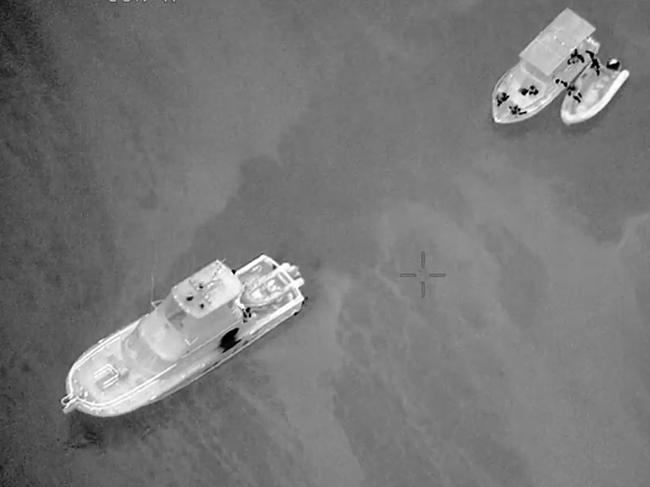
(554, 44)
(207, 290)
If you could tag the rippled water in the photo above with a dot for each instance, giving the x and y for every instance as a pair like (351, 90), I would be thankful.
(141, 140)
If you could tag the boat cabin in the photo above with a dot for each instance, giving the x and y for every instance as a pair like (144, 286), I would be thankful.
(548, 52)
(207, 290)
(197, 311)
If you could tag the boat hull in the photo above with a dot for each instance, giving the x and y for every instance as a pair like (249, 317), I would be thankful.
(597, 92)
(178, 375)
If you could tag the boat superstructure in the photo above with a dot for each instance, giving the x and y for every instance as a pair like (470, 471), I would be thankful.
(205, 320)
(552, 60)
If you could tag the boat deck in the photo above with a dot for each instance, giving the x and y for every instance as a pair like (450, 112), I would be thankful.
(106, 373)
(595, 93)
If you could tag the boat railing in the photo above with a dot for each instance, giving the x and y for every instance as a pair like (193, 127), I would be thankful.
(69, 403)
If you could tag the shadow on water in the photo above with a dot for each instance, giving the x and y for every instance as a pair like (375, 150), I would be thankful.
(113, 433)
(189, 413)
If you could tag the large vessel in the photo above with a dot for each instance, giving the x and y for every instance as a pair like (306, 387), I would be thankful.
(592, 91)
(205, 320)
(546, 66)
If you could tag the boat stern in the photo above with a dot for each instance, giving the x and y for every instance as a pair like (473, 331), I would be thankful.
(294, 272)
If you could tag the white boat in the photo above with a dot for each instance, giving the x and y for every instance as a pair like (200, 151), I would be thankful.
(592, 91)
(205, 320)
(555, 57)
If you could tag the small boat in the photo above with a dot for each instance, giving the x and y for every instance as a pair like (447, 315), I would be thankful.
(205, 320)
(592, 91)
(553, 59)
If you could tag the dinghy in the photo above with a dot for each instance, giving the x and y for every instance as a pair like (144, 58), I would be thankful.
(592, 91)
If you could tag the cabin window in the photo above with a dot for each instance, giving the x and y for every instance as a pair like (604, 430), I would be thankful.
(229, 340)
(172, 312)
(137, 349)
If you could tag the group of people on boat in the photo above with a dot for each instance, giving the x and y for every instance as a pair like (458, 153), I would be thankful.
(612, 64)
(594, 63)
(571, 90)
(575, 57)
(532, 90)
(515, 109)
(502, 96)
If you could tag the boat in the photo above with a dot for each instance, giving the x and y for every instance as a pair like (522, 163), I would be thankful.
(593, 90)
(204, 321)
(546, 66)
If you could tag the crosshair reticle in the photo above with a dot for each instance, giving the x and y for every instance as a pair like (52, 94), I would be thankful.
(423, 274)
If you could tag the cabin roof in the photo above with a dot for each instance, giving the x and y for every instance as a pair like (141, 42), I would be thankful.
(554, 44)
(207, 289)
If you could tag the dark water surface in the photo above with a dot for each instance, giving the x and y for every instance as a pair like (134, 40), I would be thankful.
(142, 140)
